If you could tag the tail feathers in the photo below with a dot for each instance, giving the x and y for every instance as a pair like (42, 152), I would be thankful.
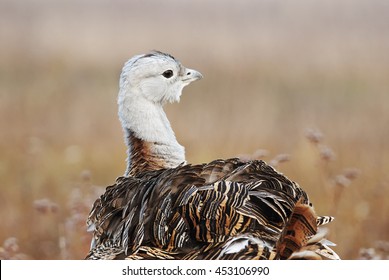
(317, 251)
(317, 248)
(297, 233)
(322, 220)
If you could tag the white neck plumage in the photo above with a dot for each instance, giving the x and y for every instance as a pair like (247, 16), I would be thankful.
(151, 141)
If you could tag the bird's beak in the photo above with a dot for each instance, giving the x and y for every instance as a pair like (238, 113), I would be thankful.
(191, 75)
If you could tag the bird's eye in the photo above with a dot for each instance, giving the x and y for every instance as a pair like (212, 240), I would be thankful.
(167, 74)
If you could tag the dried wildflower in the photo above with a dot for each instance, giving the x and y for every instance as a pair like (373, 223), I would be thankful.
(342, 181)
(380, 251)
(45, 206)
(351, 173)
(326, 153)
(314, 135)
(11, 245)
(279, 159)
(86, 175)
(368, 254)
(383, 247)
(10, 250)
(260, 154)
(347, 176)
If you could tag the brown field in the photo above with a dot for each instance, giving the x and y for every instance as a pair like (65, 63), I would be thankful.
(303, 85)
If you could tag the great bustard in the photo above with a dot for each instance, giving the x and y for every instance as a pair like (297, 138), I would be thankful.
(164, 208)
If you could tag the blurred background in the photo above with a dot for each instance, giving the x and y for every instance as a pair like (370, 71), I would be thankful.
(302, 84)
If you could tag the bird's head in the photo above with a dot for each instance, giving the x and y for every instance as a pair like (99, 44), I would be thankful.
(156, 77)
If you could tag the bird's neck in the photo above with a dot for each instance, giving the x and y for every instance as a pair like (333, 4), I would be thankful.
(151, 142)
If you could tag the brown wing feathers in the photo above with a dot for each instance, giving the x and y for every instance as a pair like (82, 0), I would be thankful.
(204, 212)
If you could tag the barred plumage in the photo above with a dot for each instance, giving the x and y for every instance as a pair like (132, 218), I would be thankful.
(189, 213)
(164, 208)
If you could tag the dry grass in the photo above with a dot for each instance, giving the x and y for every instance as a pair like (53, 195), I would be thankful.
(303, 86)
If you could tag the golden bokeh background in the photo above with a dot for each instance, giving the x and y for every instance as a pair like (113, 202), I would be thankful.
(301, 84)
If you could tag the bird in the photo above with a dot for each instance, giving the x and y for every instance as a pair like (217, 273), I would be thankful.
(166, 208)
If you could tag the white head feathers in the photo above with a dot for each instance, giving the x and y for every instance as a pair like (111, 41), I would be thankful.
(157, 77)
(147, 83)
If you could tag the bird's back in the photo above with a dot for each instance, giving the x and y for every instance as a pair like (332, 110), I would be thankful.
(226, 209)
